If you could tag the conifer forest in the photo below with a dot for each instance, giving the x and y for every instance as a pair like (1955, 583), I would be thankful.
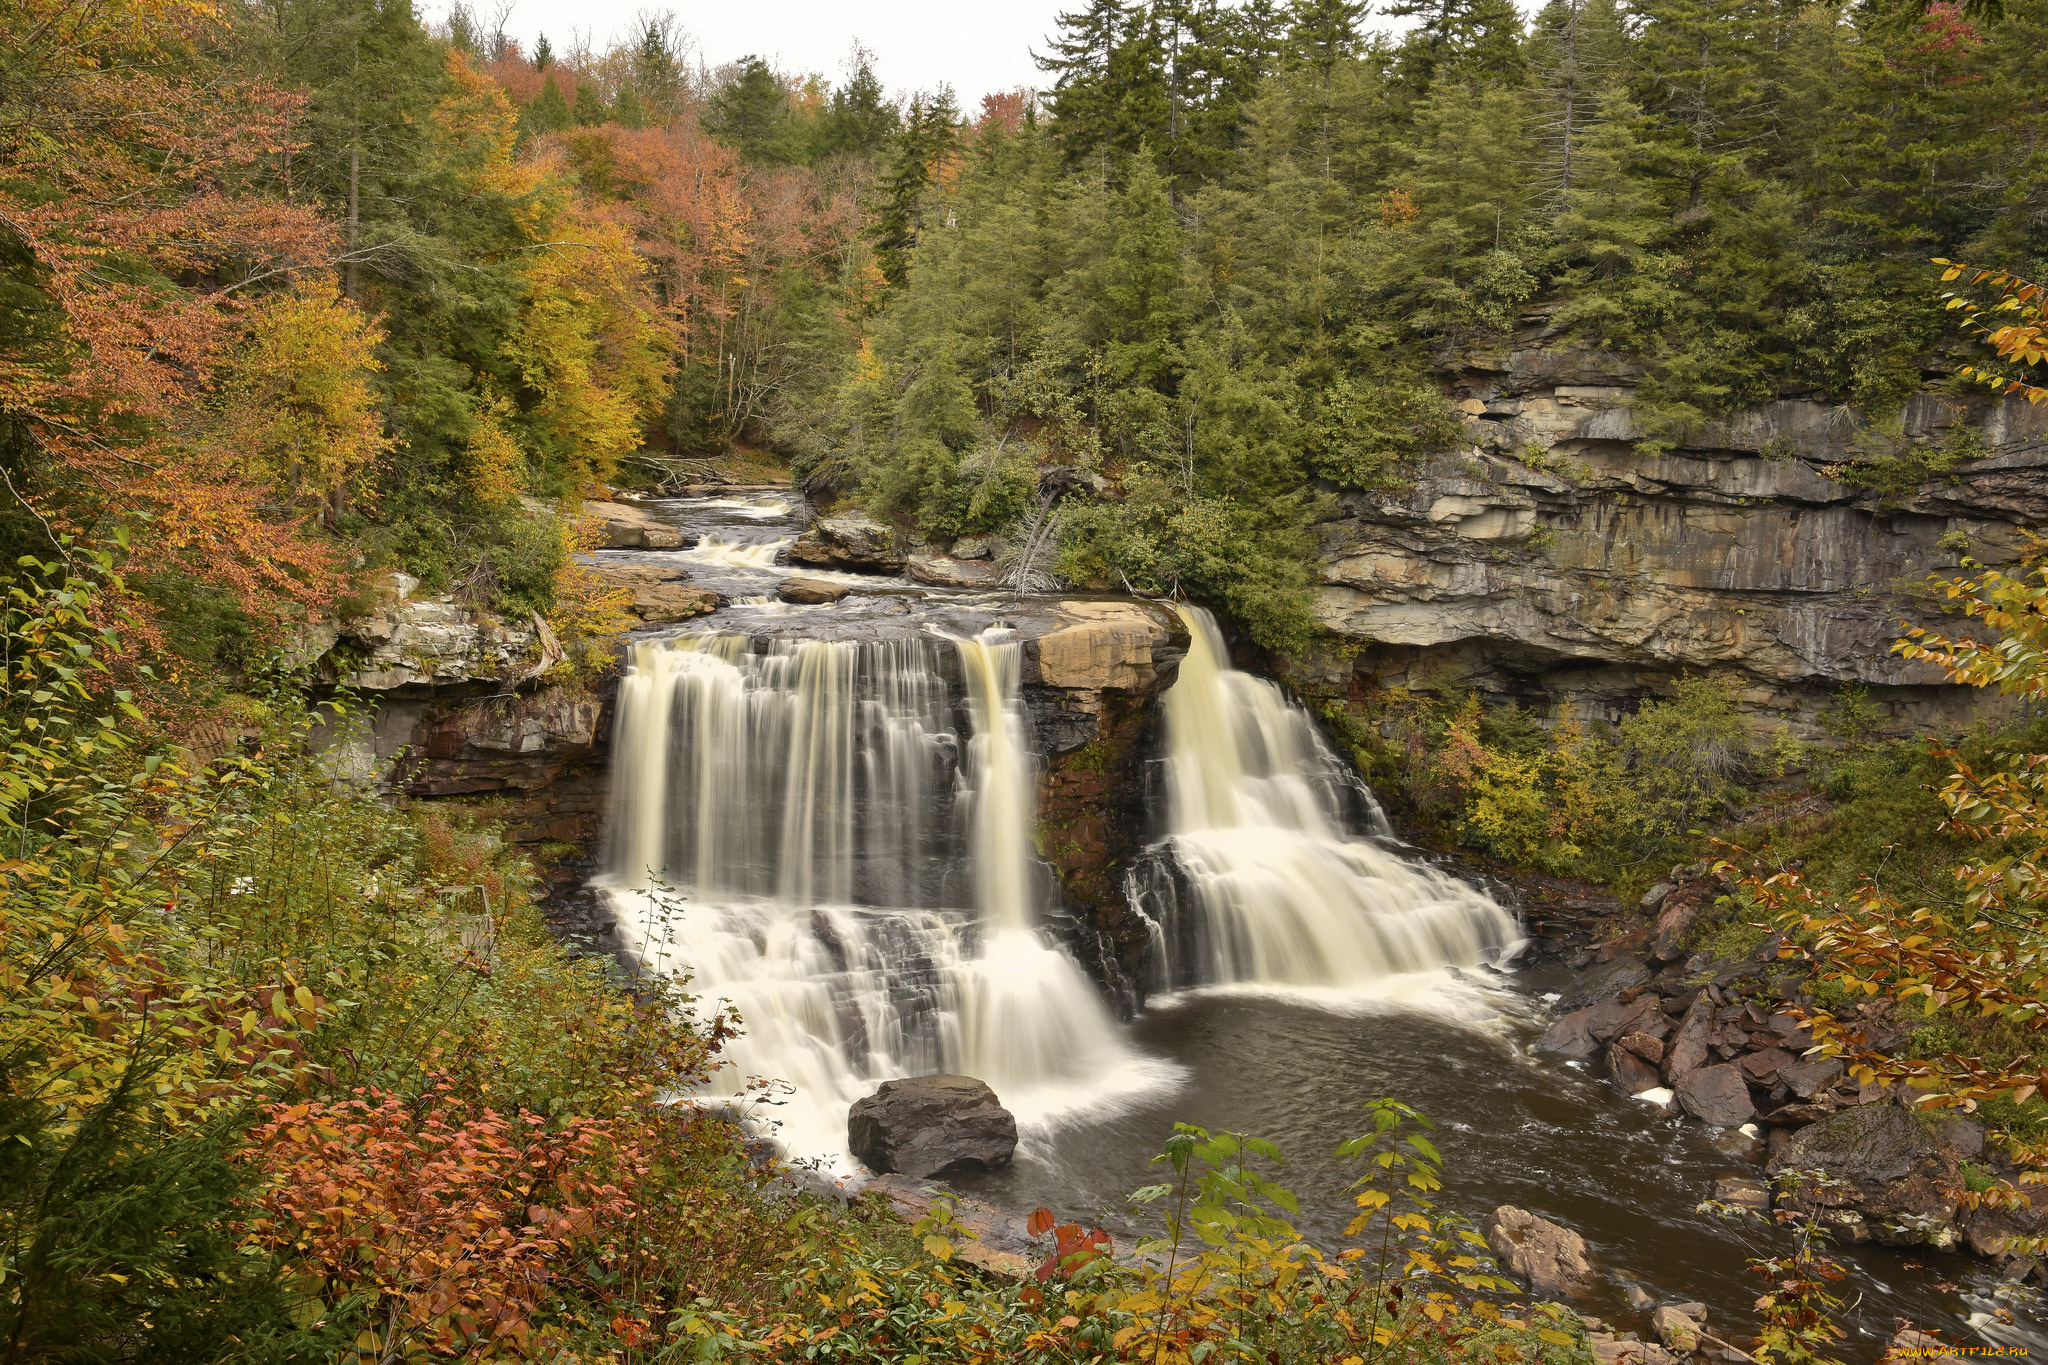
(1354, 683)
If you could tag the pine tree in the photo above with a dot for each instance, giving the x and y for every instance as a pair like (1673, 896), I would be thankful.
(1110, 93)
(1460, 39)
(627, 110)
(543, 53)
(927, 142)
(1455, 265)
(751, 113)
(1609, 222)
(1321, 40)
(658, 72)
(858, 120)
(1083, 106)
(1576, 51)
(549, 112)
(1704, 78)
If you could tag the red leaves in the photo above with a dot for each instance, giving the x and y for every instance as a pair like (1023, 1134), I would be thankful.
(454, 1216)
(1073, 1247)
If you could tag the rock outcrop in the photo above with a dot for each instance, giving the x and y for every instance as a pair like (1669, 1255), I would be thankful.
(944, 571)
(623, 526)
(412, 641)
(855, 544)
(1549, 1259)
(1878, 1173)
(1553, 559)
(661, 593)
(1091, 671)
(928, 1124)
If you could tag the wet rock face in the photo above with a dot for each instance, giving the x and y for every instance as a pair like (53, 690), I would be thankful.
(929, 1124)
(1550, 558)
(1092, 673)
(853, 544)
(1549, 1259)
(1875, 1172)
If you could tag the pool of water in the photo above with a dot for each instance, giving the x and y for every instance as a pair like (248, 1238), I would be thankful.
(1513, 1127)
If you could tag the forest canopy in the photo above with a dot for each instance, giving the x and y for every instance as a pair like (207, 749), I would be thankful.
(309, 289)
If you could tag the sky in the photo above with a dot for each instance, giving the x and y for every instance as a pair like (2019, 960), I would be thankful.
(978, 47)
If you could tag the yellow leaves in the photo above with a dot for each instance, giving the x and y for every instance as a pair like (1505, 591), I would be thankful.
(937, 1247)
(297, 393)
(492, 457)
(591, 346)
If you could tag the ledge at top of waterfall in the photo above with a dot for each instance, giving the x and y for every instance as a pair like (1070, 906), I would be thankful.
(836, 837)
(1259, 879)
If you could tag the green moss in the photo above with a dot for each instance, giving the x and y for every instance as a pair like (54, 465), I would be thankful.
(1727, 936)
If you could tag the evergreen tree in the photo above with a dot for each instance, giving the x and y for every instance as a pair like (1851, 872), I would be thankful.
(1704, 78)
(1576, 51)
(1460, 39)
(1110, 93)
(626, 110)
(658, 72)
(858, 120)
(751, 112)
(1322, 40)
(1457, 267)
(543, 53)
(549, 112)
(1618, 290)
(927, 141)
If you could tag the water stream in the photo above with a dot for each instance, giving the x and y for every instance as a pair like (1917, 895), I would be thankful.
(824, 815)
(1257, 880)
(799, 825)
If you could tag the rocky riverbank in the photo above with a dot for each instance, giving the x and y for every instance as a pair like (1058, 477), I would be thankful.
(1721, 1042)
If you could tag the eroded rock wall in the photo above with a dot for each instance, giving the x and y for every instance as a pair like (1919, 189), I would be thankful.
(1555, 559)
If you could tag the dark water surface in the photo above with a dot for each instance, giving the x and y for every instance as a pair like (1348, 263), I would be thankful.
(1513, 1128)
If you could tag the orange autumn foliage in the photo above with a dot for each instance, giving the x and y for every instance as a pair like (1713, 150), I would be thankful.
(451, 1218)
(128, 179)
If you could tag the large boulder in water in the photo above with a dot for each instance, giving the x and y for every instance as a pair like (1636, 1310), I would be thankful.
(1716, 1095)
(854, 543)
(1883, 1174)
(925, 1125)
(1548, 1258)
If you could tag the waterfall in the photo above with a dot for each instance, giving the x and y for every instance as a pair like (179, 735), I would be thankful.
(1258, 879)
(790, 822)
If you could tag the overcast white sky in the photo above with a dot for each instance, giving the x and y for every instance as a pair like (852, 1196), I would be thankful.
(978, 47)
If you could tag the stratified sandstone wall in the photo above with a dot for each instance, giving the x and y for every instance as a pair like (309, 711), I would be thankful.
(1551, 560)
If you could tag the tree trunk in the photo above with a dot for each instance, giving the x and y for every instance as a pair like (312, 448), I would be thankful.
(348, 266)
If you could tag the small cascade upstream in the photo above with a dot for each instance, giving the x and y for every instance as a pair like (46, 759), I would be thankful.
(798, 825)
(1257, 880)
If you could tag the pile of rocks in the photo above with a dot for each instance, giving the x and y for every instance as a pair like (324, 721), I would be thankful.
(1726, 1059)
(1721, 1042)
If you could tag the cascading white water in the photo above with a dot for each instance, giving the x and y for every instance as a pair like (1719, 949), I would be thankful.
(716, 549)
(788, 824)
(1257, 880)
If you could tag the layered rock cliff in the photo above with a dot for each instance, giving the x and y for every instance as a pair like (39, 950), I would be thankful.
(1554, 559)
